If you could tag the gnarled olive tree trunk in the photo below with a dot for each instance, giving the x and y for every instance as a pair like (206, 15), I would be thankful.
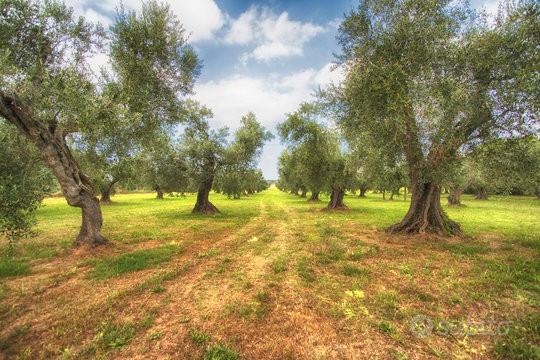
(425, 212)
(363, 190)
(55, 153)
(105, 197)
(314, 196)
(303, 194)
(454, 197)
(336, 200)
(203, 204)
(106, 193)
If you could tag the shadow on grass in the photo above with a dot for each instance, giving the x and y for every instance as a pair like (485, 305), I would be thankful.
(134, 261)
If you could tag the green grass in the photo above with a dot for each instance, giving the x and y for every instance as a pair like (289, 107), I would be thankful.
(133, 261)
(13, 267)
(354, 271)
(198, 337)
(220, 352)
(115, 336)
(522, 340)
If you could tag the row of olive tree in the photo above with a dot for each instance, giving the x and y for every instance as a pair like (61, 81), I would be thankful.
(93, 130)
(426, 83)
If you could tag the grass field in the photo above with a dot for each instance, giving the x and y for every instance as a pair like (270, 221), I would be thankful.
(273, 277)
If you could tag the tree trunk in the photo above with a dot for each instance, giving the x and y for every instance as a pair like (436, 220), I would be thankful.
(481, 194)
(454, 197)
(392, 195)
(425, 212)
(336, 200)
(405, 194)
(303, 194)
(55, 153)
(314, 196)
(92, 220)
(105, 198)
(203, 204)
(384, 194)
(106, 193)
(159, 193)
(363, 190)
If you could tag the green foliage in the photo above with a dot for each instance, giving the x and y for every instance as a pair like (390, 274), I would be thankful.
(198, 337)
(522, 340)
(23, 183)
(238, 175)
(115, 336)
(154, 64)
(452, 83)
(13, 267)
(311, 147)
(220, 352)
(163, 167)
(504, 166)
(134, 261)
(44, 47)
(203, 147)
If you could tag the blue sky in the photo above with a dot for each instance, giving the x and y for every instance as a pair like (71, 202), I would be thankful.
(260, 56)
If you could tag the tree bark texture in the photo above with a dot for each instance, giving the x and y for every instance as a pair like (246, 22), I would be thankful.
(314, 196)
(203, 204)
(55, 153)
(425, 213)
(105, 197)
(336, 200)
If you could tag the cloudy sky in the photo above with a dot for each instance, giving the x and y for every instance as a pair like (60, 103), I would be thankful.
(261, 56)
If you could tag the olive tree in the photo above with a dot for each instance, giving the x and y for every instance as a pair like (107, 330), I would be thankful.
(312, 145)
(204, 149)
(503, 166)
(290, 177)
(237, 175)
(163, 167)
(315, 156)
(429, 78)
(47, 93)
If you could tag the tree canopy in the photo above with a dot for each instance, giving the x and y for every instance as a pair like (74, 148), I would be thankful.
(428, 78)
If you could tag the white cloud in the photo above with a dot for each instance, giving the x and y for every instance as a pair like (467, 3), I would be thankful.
(274, 36)
(270, 98)
(241, 30)
(201, 18)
